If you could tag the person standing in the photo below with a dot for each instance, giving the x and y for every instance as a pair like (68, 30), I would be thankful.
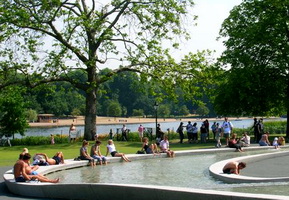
(180, 130)
(159, 134)
(195, 133)
(124, 133)
(256, 130)
(214, 129)
(52, 139)
(218, 136)
(227, 128)
(204, 133)
(140, 132)
(72, 132)
(260, 129)
(207, 124)
(189, 128)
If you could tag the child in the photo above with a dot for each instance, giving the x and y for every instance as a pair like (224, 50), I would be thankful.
(52, 139)
(275, 143)
(112, 150)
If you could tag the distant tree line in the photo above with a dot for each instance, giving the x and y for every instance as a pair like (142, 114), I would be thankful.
(122, 96)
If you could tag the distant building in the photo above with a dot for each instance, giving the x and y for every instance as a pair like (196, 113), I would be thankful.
(46, 118)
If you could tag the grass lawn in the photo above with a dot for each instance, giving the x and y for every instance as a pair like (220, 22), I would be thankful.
(9, 155)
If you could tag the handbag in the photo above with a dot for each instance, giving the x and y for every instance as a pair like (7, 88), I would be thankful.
(140, 152)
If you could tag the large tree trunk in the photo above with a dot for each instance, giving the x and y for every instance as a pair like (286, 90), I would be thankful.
(90, 114)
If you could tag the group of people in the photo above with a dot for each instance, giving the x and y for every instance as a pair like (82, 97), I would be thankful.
(163, 145)
(218, 131)
(95, 156)
(278, 141)
(24, 171)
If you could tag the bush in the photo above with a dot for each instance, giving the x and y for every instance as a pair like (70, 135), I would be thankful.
(38, 140)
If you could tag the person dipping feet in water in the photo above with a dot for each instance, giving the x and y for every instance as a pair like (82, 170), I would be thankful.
(20, 174)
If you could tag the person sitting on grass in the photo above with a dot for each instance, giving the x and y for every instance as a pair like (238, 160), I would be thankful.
(21, 175)
(84, 155)
(57, 159)
(96, 154)
(164, 146)
(233, 167)
(110, 148)
(149, 149)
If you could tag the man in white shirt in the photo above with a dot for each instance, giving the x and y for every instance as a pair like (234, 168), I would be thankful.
(227, 128)
(164, 146)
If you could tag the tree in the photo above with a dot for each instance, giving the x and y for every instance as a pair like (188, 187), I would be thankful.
(164, 110)
(137, 112)
(12, 119)
(51, 39)
(202, 110)
(257, 47)
(113, 109)
(76, 112)
(31, 115)
(184, 110)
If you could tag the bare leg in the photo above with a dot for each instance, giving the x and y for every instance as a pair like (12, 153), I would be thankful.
(45, 179)
(60, 155)
(122, 156)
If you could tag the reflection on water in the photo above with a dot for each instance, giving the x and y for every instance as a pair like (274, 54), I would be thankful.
(183, 171)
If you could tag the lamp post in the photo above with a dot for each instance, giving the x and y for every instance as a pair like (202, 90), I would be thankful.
(156, 109)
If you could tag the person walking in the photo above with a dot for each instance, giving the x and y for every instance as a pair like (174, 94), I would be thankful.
(180, 130)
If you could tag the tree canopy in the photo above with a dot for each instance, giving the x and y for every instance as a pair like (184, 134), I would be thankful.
(47, 40)
(257, 53)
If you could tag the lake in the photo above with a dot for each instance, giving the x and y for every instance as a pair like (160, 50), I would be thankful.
(104, 129)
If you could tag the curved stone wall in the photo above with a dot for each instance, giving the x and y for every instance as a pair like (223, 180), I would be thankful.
(216, 170)
(123, 191)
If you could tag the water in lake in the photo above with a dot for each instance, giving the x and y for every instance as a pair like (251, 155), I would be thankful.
(104, 129)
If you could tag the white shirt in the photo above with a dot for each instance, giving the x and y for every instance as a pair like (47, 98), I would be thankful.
(111, 148)
(164, 145)
(227, 126)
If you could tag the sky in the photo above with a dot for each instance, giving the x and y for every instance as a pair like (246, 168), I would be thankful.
(211, 14)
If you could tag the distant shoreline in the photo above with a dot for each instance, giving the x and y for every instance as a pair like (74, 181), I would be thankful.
(79, 121)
